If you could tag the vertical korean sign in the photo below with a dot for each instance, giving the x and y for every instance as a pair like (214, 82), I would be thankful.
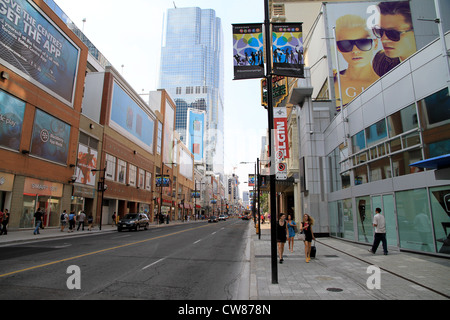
(248, 51)
(287, 49)
(34, 47)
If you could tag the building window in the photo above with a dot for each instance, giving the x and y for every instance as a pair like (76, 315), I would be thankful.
(380, 169)
(110, 167)
(402, 121)
(121, 171)
(376, 133)
(148, 181)
(178, 90)
(132, 175)
(141, 181)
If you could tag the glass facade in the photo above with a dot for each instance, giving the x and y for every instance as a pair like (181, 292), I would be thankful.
(192, 72)
(417, 219)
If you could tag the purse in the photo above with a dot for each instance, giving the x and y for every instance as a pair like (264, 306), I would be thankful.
(301, 236)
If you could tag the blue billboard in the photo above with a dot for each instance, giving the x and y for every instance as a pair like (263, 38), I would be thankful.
(196, 133)
(12, 111)
(37, 49)
(130, 120)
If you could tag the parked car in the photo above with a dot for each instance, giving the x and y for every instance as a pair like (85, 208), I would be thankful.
(213, 219)
(133, 221)
(245, 217)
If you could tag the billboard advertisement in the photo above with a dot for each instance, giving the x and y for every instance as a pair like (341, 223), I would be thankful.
(287, 49)
(248, 51)
(130, 120)
(87, 161)
(169, 120)
(12, 111)
(50, 138)
(35, 48)
(369, 39)
(195, 134)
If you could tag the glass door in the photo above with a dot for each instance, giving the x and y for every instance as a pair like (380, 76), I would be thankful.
(387, 204)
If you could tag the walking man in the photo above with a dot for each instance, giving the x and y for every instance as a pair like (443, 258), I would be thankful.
(380, 232)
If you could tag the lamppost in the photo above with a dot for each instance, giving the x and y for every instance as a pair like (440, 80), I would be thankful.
(101, 186)
(161, 192)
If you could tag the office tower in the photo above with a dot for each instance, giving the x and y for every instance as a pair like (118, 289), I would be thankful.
(192, 72)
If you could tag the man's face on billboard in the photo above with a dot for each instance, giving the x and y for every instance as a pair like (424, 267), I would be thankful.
(397, 36)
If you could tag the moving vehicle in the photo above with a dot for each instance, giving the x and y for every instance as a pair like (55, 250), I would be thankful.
(213, 219)
(133, 221)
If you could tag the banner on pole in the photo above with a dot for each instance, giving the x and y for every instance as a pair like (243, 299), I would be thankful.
(248, 51)
(287, 49)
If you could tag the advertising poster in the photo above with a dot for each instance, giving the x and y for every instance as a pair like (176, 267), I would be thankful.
(251, 180)
(11, 120)
(130, 120)
(196, 133)
(50, 138)
(87, 161)
(371, 39)
(248, 51)
(169, 120)
(287, 50)
(37, 50)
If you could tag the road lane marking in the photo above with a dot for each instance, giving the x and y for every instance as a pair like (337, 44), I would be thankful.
(152, 264)
(197, 241)
(94, 252)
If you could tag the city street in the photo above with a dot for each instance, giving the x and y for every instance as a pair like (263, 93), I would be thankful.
(196, 261)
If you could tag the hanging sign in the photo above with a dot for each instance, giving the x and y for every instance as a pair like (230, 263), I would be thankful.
(248, 51)
(287, 50)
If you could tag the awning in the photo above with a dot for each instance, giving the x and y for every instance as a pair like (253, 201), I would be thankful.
(440, 162)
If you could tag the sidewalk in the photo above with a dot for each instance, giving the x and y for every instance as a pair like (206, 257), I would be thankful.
(340, 272)
(18, 236)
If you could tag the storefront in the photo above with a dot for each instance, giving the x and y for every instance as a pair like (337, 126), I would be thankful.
(41, 194)
(6, 187)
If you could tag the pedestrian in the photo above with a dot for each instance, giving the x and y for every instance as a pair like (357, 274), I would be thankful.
(72, 220)
(380, 232)
(5, 222)
(64, 217)
(291, 235)
(90, 220)
(81, 218)
(281, 235)
(1, 220)
(306, 227)
(38, 220)
(113, 219)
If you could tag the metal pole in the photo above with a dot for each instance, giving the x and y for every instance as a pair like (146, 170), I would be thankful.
(259, 203)
(273, 207)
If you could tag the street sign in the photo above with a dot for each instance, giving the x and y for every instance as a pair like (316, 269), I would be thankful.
(281, 173)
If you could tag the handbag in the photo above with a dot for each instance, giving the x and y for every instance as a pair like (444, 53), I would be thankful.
(301, 236)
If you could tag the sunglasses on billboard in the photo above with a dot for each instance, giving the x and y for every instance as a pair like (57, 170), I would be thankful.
(393, 35)
(361, 44)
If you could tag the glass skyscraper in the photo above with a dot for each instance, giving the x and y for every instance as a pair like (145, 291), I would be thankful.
(192, 71)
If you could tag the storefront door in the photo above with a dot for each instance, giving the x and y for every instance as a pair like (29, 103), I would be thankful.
(387, 204)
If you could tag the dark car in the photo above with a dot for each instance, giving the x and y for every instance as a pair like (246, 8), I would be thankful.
(212, 219)
(133, 221)
(245, 217)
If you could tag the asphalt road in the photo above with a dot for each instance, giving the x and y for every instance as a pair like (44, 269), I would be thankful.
(201, 261)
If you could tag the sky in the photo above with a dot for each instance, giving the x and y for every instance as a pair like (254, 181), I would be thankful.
(129, 33)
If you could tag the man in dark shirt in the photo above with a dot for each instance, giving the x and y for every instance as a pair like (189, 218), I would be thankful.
(38, 220)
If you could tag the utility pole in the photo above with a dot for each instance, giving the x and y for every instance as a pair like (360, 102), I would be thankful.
(273, 205)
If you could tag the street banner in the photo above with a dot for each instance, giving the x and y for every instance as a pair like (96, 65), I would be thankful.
(372, 38)
(251, 180)
(281, 134)
(162, 180)
(287, 50)
(248, 51)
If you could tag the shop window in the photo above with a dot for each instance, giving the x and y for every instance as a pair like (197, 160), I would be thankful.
(347, 218)
(380, 169)
(440, 208)
(401, 162)
(436, 108)
(360, 174)
(364, 217)
(402, 121)
(413, 219)
(358, 142)
(376, 133)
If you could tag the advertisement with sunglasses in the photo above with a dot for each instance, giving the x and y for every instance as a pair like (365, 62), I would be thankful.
(371, 39)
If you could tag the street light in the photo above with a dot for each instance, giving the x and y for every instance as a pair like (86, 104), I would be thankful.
(101, 186)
